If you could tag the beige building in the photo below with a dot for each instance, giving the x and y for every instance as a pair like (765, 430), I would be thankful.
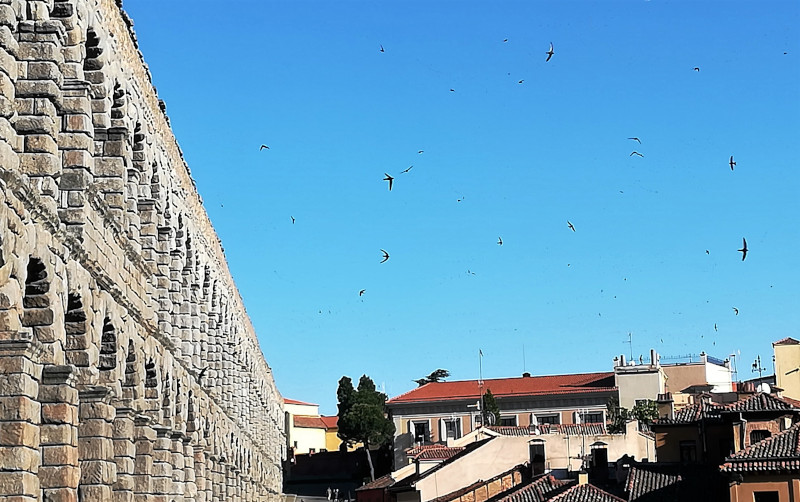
(647, 380)
(491, 452)
(442, 412)
(305, 430)
(787, 367)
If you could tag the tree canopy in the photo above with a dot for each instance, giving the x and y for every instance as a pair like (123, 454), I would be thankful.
(490, 411)
(435, 376)
(362, 415)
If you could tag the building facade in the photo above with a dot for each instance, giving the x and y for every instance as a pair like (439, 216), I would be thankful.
(440, 411)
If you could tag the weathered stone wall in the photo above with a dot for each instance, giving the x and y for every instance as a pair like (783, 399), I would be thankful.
(129, 370)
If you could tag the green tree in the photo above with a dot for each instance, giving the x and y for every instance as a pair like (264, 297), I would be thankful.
(434, 377)
(617, 416)
(490, 411)
(645, 411)
(362, 416)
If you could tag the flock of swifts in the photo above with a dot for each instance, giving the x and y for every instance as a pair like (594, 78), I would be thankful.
(550, 53)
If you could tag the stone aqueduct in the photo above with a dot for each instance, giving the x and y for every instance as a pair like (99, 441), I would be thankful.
(129, 370)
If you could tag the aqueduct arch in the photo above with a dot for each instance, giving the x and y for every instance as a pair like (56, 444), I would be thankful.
(114, 291)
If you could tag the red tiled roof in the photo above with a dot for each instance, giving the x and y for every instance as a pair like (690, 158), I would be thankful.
(585, 493)
(308, 422)
(574, 429)
(381, 482)
(761, 402)
(786, 341)
(286, 400)
(779, 453)
(509, 387)
(330, 422)
(438, 453)
(693, 413)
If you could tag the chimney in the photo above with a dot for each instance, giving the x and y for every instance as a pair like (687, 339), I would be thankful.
(583, 477)
(416, 463)
(653, 360)
(622, 359)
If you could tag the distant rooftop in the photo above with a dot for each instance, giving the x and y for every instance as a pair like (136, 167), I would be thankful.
(509, 387)
(286, 400)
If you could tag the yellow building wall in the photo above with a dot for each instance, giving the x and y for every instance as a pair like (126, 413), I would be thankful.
(787, 360)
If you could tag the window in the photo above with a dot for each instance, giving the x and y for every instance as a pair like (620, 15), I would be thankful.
(688, 451)
(452, 428)
(422, 432)
(592, 418)
(548, 419)
(759, 435)
(766, 497)
(508, 420)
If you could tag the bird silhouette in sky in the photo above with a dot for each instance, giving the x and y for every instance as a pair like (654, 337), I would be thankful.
(635, 153)
(696, 68)
(570, 225)
(390, 179)
(735, 311)
(263, 147)
(361, 292)
(521, 81)
(385, 255)
(499, 241)
(292, 217)
(549, 53)
(707, 251)
(744, 249)
(506, 40)
(421, 151)
(406, 170)
(731, 163)
(636, 139)
(382, 49)
(452, 90)
(715, 326)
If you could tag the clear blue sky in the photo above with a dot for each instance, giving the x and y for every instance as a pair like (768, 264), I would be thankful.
(501, 159)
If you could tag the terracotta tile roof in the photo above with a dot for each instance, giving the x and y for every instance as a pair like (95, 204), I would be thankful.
(433, 452)
(585, 493)
(512, 430)
(574, 429)
(308, 422)
(380, 483)
(693, 413)
(787, 341)
(761, 402)
(330, 422)
(286, 400)
(536, 491)
(508, 387)
(779, 453)
(648, 485)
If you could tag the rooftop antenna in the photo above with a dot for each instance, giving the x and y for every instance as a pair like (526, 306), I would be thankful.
(480, 383)
(733, 364)
(630, 344)
(757, 367)
(523, 358)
